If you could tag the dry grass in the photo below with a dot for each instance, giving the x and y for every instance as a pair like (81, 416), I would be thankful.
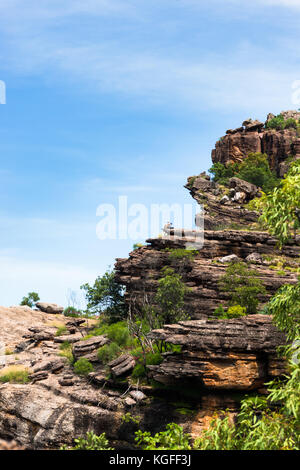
(14, 374)
(55, 323)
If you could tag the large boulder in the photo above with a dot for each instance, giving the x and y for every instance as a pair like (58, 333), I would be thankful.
(242, 186)
(48, 307)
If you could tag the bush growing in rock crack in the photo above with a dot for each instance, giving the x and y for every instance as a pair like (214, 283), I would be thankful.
(243, 286)
(83, 366)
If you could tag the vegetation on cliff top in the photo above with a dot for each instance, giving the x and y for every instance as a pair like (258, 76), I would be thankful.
(255, 169)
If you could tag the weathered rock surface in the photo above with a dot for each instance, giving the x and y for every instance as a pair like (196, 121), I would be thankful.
(88, 348)
(221, 354)
(48, 307)
(252, 137)
(141, 271)
(221, 209)
(122, 365)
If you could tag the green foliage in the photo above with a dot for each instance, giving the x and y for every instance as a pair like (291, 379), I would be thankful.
(61, 330)
(83, 366)
(170, 297)
(285, 309)
(173, 438)
(108, 352)
(243, 286)
(14, 374)
(222, 173)
(151, 358)
(66, 351)
(91, 442)
(128, 418)
(234, 311)
(176, 254)
(279, 123)
(281, 208)
(72, 312)
(276, 123)
(31, 299)
(256, 170)
(106, 295)
(220, 312)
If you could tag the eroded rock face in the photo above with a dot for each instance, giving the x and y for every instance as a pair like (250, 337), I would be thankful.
(253, 137)
(141, 271)
(221, 354)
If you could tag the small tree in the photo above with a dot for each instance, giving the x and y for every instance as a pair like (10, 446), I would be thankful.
(243, 286)
(31, 299)
(281, 208)
(106, 296)
(256, 170)
(170, 297)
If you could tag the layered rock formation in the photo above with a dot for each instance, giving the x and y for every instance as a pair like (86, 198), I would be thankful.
(141, 271)
(254, 137)
(237, 354)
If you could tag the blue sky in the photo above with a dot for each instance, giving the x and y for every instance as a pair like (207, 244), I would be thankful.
(120, 97)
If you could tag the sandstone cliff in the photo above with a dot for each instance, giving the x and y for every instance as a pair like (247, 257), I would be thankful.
(253, 136)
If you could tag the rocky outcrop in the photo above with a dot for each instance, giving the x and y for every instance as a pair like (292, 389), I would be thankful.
(253, 137)
(50, 308)
(88, 348)
(217, 359)
(221, 208)
(221, 354)
(141, 271)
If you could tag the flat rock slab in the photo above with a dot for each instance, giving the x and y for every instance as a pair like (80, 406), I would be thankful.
(122, 365)
(88, 346)
(48, 307)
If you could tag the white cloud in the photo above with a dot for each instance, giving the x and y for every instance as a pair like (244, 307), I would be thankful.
(41, 41)
(39, 45)
(284, 3)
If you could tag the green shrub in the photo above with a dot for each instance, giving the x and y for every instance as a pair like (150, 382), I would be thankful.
(91, 442)
(61, 330)
(236, 311)
(108, 352)
(243, 286)
(173, 438)
(152, 359)
(72, 312)
(276, 123)
(280, 208)
(222, 173)
(176, 254)
(128, 418)
(256, 170)
(66, 351)
(220, 312)
(83, 366)
(170, 297)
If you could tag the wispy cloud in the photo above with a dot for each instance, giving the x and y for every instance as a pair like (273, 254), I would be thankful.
(40, 44)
